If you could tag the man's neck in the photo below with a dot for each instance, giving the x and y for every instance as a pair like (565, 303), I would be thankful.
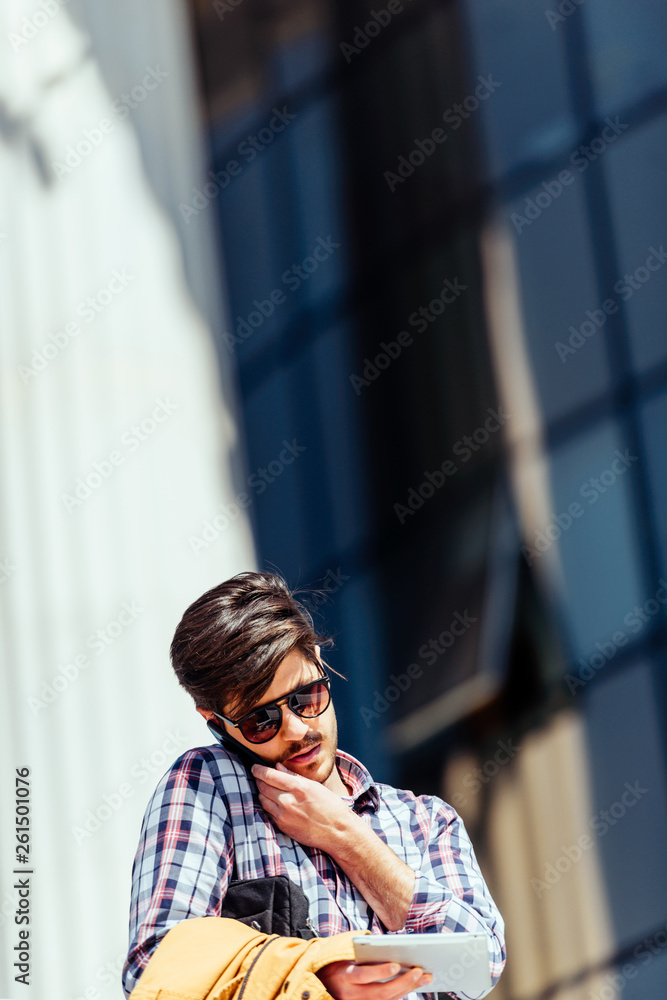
(335, 783)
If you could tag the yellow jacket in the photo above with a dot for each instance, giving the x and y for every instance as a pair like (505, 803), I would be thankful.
(216, 958)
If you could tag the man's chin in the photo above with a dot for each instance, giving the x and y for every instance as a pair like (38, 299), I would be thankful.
(317, 763)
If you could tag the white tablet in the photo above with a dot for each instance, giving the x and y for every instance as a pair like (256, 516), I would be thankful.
(458, 961)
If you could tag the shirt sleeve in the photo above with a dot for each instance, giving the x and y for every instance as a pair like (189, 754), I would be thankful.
(450, 893)
(183, 862)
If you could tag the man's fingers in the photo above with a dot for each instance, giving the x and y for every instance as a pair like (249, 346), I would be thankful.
(269, 792)
(360, 982)
(275, 799)
(398, 985)
(270, 806)
(385, 970)
(372, 973)
(284, 780)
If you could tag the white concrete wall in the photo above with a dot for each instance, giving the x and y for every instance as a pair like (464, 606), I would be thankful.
(121, 396)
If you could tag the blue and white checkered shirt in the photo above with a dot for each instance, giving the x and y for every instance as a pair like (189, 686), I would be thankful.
(205, 819)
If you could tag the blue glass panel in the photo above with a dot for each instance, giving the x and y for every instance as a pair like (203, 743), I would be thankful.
(362, 657)
(626, 752)
(282, 222)
(654, 422)
(602, 579)
(314, 148)
(276, 507)
(521, 122)
(650, 969)
(628, 42)
(347, 471)
(639, 213)
(559, 292)
(302, 61)
(252, 257)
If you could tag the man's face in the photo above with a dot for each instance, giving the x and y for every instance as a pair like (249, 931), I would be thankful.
(305, 746)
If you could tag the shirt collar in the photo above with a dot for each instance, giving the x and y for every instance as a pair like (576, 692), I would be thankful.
(354, 774)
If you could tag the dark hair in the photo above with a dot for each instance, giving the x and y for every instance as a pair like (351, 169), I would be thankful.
(230, 642)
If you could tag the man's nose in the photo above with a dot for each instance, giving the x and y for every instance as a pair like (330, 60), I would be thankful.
(293, 727)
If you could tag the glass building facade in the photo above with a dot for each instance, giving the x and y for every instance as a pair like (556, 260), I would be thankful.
(442, 229)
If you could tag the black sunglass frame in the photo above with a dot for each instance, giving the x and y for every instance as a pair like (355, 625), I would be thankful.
(278, 703)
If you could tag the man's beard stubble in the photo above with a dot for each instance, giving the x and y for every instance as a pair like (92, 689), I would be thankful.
(310, 741)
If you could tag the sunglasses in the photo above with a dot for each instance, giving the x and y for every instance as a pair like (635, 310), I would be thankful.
(263, 723)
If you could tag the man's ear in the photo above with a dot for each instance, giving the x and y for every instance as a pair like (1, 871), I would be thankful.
(317, 650)
(206, 713)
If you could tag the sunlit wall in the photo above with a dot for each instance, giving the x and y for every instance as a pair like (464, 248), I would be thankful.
(119, 454)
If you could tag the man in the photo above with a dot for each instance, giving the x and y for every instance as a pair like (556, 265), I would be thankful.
(366, 855)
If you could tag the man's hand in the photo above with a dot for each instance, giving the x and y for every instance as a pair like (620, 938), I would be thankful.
(348, 981)
(303, 809)
(315, 816)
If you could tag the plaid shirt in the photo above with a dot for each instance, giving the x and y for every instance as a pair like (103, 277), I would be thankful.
(204, 820)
